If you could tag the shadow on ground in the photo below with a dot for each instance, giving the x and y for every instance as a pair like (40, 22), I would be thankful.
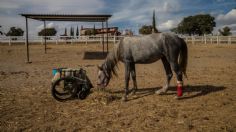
(194, 91)
(95, 55)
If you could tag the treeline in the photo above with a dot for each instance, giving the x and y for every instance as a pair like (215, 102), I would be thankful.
(201, 24)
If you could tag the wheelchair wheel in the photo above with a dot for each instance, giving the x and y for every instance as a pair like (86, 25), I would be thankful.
(83, 93)
(64, 89)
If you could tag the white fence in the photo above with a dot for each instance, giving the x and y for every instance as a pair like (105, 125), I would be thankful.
(58, 39)
(210, 39)
(111, 39)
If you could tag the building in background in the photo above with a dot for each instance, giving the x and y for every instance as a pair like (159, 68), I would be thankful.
(99, 31)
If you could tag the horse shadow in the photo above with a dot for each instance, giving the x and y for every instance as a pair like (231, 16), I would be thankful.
(190, 91)
(94, 55)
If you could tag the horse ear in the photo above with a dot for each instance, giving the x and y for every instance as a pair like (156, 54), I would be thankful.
(99, 67)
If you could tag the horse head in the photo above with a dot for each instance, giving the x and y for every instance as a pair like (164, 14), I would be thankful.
(103, 77)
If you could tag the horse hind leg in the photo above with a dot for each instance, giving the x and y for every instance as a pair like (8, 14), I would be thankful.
(179, 76)
(127, 78)
(169, 75)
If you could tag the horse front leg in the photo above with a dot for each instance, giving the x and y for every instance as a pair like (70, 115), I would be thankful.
(127, 78)
(169, 75)
(133, 75)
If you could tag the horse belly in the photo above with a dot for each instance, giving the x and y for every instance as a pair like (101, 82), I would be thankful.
(147, 59)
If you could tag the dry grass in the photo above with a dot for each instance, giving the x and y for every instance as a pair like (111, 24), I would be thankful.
(26, 102)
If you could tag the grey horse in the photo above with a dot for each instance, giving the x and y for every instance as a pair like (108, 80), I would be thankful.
(170, 48)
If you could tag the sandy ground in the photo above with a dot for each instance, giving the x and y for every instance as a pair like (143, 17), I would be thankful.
(209, 102)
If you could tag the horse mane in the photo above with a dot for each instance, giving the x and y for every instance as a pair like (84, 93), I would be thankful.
(111, 61)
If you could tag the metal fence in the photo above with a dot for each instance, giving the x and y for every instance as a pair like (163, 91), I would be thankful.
(111, 39)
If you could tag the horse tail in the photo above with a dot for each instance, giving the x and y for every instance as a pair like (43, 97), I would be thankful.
(183, 57)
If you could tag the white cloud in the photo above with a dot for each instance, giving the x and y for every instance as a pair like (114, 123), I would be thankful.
(229, 18)
(142, 12)
(8, 5)
(170, 7)
(169, 24)
(49, 25)
(54, 6)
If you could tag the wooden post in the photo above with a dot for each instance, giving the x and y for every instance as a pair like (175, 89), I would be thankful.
(218, 39)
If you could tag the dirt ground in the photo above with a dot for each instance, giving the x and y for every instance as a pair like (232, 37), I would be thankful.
(26, 103)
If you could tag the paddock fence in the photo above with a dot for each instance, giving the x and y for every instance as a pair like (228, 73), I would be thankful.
(111, 39)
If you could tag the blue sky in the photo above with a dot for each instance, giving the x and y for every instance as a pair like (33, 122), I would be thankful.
(126, 14)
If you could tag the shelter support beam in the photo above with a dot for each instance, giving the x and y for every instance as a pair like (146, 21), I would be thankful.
(102, 37)
(107, 34)
(27, 40)
(45, 39)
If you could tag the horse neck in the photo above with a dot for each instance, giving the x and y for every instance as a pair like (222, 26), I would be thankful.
(111, 61)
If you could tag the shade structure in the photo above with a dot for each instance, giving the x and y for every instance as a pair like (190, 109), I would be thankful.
(69, 17)
(65, 17)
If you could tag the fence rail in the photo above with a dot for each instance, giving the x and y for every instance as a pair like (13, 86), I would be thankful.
(58, 39)
(111, 39)
(210, 39)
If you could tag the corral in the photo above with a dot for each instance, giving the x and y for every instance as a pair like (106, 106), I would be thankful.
(26, 102)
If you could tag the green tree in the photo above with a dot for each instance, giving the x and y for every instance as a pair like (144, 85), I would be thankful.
(175, 30)
(225, 32)
(145, 29)
(198, 24)
(71, 31)
(1, 33)
(89, 32)
(94, 32)
(77, 31)
(154, 23)
(15, 32)
(48, 32)
(65, 33)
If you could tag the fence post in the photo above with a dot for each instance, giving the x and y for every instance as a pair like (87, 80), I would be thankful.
(205, 39)
(218, 39)
(229, 39)
(114, 39)
(25, 40)
(192, 40)
(71, 39)
(56, 40)
(86, 40)
(41, 39)
(100, 39)
(9, 40)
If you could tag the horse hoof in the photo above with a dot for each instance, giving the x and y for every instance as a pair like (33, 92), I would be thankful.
(133, 93)
(159, 92)
(124, 99)
(177, 97)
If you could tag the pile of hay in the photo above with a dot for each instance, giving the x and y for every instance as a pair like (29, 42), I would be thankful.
(103, 97)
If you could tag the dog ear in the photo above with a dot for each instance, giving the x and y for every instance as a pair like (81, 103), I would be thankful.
(99, 67)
